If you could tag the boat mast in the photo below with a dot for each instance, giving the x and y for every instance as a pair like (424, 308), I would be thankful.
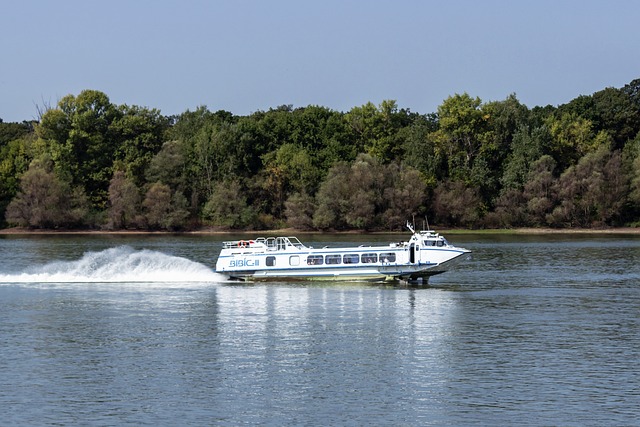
(410, 227)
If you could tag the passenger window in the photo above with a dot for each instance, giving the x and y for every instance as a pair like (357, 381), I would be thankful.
(333, 259)
(294, 260)
(351, 259)
(271, 261)
(369, 258)
(315, 260)
(388, 257)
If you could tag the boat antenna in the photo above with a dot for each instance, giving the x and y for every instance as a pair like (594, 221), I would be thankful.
(410, 227)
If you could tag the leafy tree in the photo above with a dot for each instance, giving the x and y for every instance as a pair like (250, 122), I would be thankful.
(332, 200)
(124, 202)
(404, 197)
(420, 151)
(539, 190)
(456, 204)
(462, 133)
(169, 165)
(323, 134)
(299, 209)
(179, 212)
(366, 181)
(611, 110)
(591, 192)
(138, 135)
(572, 137)
(510, 210)
(45, 201)
(227, 207)
(212, 158)
(15, 158)
(504, 119)
(80, 141)
(376, 128)
(287, 170)
(526, 147)
(157, 205)
(188, 124)
(634, 195)
(13, 131)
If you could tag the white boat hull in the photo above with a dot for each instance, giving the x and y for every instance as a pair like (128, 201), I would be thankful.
(285, 258)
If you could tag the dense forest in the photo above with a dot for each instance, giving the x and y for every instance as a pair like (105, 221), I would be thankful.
(91, 164)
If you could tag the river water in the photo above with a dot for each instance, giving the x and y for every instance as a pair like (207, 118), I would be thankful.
(135, 330)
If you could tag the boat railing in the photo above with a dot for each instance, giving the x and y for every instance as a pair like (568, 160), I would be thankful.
(268, 243)
(281, 243)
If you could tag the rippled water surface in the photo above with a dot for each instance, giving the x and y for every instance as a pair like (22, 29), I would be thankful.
(533, 330)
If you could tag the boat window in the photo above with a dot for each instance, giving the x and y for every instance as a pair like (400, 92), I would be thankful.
(333, 259)
(315, 260)
(388, 257)
(429, 243)
(351, 259)
(440, 243)
(294, 260)
(369, 258)
(271, 261)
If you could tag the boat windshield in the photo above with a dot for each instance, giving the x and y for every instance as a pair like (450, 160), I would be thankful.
(435, 242)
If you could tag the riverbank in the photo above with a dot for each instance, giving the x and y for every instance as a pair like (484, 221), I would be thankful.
(289, 231)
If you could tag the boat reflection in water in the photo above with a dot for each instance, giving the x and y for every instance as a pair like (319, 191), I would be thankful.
(425, 254)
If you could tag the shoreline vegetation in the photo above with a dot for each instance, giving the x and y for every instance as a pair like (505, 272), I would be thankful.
(289, 232)
(89, 164)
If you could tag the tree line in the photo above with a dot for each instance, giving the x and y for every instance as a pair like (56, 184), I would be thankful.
(88, 163)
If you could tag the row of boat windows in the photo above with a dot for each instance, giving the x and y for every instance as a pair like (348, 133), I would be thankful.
(294, 260)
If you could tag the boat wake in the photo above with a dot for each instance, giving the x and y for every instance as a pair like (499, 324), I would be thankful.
(118, 265)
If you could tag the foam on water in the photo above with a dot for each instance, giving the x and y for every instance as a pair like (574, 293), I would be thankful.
(118, 265)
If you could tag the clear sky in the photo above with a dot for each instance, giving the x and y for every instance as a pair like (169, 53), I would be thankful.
(248, 55)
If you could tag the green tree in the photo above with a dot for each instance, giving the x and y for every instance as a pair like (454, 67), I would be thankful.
(15, 158)
(170, 166)
(124, 202)
(332, 199)
(526, 147)
(539, 190)
(366, 181)
(45, 201)
(227, 207)
(80, 142)
(157, 205)
(420, 150)
(289, 169)
(634, 195)
(611, 110)
(456, 204)
(593, 192)
(138, 135)
(404, 196)
(463, 131)
(376, 129)
(13, 131)
(299, 210)
(510, 210)
(178, 213)
(572, 138)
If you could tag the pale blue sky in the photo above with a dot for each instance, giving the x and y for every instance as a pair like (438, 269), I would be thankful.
(250, 55)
